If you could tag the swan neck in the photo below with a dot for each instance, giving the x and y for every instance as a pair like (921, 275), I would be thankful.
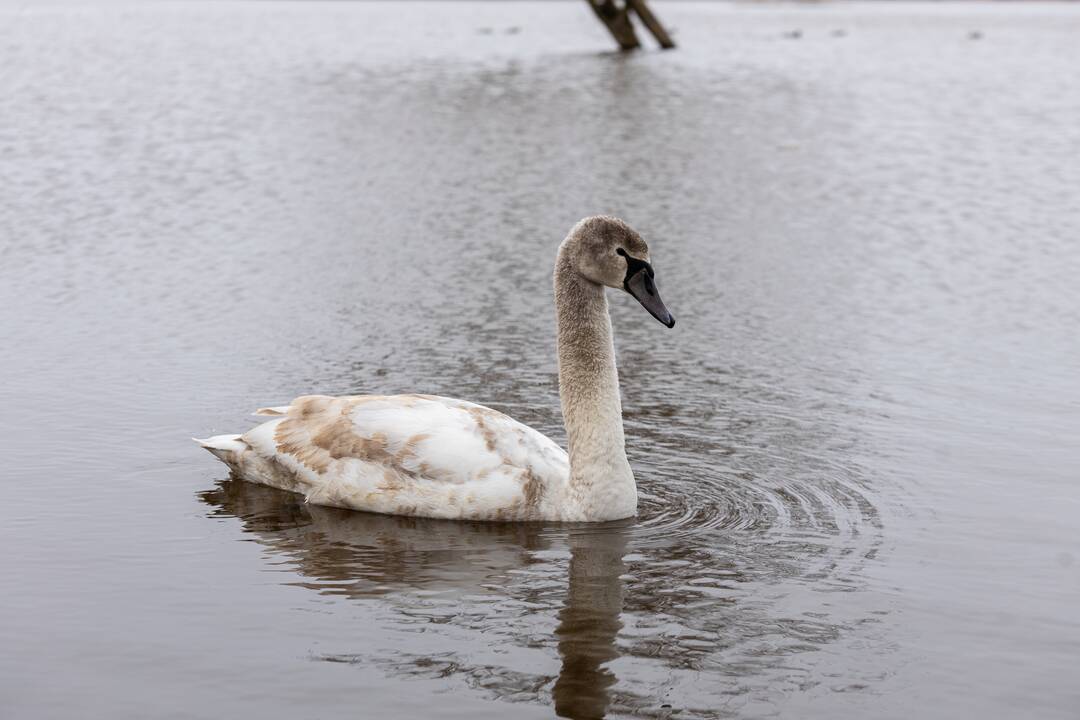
(600, 476)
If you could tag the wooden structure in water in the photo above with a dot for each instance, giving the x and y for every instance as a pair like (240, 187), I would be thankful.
(616, 18)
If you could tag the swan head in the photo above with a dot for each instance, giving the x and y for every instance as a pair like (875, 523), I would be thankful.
(607, 251)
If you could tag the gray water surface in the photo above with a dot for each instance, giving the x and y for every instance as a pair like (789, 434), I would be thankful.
(857, 451)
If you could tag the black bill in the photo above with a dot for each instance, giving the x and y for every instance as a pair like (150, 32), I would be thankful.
(639, 283)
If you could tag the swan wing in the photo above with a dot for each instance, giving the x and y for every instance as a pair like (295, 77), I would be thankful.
(420, 455)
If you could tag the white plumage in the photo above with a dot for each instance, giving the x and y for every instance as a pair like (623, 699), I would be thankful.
(419, 455)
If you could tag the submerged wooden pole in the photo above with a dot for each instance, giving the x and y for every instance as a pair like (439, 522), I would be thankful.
(651, 22)
(617, 21)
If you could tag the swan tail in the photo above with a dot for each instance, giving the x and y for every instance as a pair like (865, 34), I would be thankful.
(227, 448)
(247, 464)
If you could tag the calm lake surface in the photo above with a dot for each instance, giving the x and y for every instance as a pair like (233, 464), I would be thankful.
(858, 450)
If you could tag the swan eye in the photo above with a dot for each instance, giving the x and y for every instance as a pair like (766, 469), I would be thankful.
(620, 251)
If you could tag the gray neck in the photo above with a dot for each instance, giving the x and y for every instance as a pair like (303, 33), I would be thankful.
(600, 476)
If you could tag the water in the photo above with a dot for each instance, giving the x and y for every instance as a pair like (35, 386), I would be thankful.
(857, 451)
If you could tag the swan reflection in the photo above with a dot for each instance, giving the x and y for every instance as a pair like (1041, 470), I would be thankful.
(589, 622)
(363, 555)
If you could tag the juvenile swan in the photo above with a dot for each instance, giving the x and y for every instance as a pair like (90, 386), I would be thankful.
(431, 456)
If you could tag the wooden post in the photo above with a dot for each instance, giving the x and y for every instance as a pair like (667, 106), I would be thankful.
(651, 22)
(617, 21)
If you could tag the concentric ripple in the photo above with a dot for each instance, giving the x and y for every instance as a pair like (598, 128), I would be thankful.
(695, 584)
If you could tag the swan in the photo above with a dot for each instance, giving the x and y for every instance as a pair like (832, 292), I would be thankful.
(437, 457)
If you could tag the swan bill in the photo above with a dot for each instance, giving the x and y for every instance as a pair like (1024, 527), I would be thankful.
(639, 283)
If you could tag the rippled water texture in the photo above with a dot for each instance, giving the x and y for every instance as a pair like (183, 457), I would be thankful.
(857, 451)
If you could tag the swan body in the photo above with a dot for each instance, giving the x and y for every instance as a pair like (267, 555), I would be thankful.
(418, 455)
(430, 456)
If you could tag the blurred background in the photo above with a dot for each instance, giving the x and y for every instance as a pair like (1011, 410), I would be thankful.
(857, 451)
